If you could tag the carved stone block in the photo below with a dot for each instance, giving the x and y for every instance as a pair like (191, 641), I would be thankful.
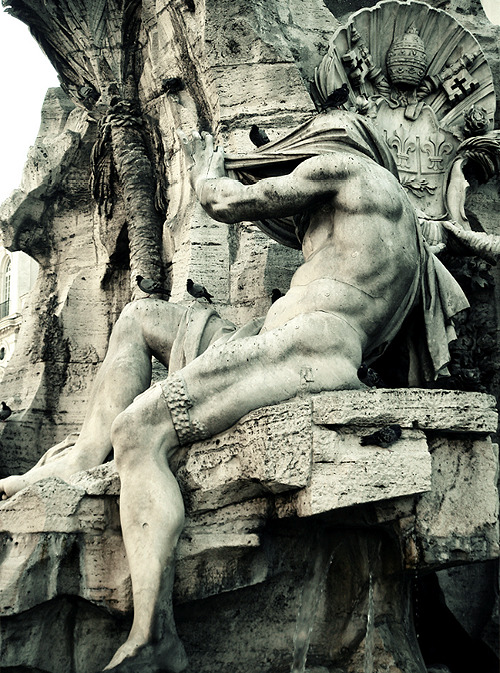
(457, 519)
(450, 410)
(268, 451)
(344, 473)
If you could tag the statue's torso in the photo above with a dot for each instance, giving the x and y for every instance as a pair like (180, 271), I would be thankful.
(361, 255)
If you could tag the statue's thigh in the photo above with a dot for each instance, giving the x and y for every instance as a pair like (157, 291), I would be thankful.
(313, 352)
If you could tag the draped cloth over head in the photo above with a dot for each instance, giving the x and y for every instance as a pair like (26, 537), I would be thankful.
(336, 131)
(433, 289)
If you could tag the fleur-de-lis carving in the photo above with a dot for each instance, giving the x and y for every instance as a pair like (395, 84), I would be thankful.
(436, 147)
(401, 142)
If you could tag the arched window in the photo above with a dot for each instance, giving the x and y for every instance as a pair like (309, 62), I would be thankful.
(5, 288)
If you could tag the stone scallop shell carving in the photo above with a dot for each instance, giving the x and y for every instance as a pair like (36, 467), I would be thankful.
(425, 82)
(457, 75)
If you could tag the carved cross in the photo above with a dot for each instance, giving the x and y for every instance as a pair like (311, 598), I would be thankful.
(358, 63)
(460, 86)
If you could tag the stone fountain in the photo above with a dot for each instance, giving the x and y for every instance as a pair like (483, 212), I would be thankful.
(302, 549)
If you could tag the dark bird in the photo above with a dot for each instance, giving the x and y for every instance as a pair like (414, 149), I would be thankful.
(276, 294)
(258, 136)
(150, 286)
(383, 437)
(198, 291)
(172, 85)
(336, 98)
(369, 377)
(5, 412)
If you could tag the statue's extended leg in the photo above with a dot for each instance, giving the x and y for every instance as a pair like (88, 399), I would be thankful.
(152, 517)
(145, 327)
(311, 352)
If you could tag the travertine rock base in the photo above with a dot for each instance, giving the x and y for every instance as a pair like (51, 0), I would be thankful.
(290, 522)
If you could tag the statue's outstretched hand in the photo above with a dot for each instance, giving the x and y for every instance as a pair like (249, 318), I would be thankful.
(203, 161)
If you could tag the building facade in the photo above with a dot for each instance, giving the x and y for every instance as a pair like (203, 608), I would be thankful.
(18, 273)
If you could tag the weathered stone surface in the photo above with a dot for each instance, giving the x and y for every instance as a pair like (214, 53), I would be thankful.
(268, 451)
(67, 320)
(62, 538)
(61, 636)
(457, 520)
(451, 410)
(56, 540)
(101, 480)
(54, 506)
(344, 473)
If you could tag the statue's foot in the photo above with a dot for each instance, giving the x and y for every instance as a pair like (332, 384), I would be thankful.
(167, 656)
(59, 450)
(11, 485)
(59, 461)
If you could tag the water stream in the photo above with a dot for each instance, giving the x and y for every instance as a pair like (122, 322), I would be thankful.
(369, 635)
(312, 590)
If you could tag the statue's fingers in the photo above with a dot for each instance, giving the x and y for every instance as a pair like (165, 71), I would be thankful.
(182, 136)
(208, 139)
(189, 149)
(185, 143)
(197, 141)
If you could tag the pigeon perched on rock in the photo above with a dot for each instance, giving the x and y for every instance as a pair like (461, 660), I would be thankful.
(336, 98)
(172, 85)
(5, 412)
(198, 291)
(275, 295)
(383, 437)
(370, 377)
(258, 136)
(149, 286)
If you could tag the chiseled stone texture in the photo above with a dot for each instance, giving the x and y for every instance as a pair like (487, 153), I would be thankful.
(251, 552)
(458, 518)
(71, 309)
(268, 451)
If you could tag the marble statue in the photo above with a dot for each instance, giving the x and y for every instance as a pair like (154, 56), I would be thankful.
(333, 189)
(366, 269)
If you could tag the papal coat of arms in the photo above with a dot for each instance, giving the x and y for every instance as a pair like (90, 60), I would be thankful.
(425, 82)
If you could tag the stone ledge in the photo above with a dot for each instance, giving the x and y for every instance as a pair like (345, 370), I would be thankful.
(435, 409)
(344, 473)
(296, 459)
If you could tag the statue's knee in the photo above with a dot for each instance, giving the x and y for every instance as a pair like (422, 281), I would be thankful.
(130, 325)
(131, 312)
(125, 439)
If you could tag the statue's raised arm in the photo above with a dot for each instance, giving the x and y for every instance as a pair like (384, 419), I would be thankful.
(366, 270)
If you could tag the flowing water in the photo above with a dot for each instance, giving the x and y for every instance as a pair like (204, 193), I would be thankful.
(369, 635)
(312, 590)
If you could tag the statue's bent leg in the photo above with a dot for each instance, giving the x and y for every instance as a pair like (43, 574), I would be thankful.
(206, 397)
(152, 517)
(144, 328)
(312, 352)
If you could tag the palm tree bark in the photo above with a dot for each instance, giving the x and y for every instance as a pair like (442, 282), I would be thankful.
(144, 222)
(121, 146)
(92, 44)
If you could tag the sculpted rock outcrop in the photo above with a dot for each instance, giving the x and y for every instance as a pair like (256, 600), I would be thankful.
(370, 281)
(250, 553)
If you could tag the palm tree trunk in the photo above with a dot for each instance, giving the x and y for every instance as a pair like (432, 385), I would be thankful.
(122, 143)
(145, 224)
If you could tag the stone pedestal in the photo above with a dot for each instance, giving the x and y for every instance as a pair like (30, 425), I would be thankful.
(292, 527)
